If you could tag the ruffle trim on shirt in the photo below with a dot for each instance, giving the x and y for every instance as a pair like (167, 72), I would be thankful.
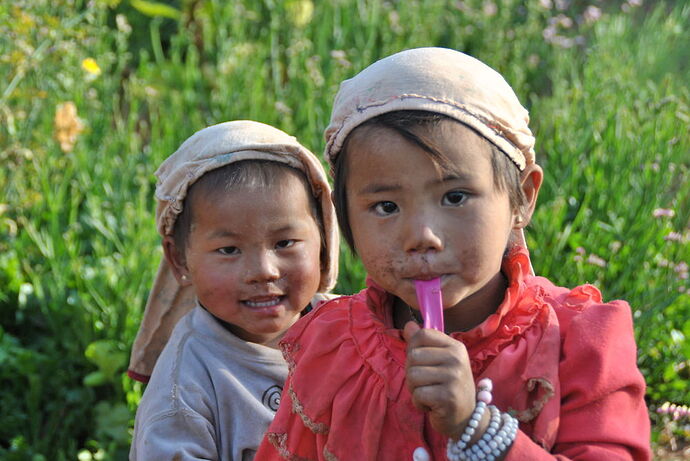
(351, 352)
(351, 355)
(538, 405)
(523, 307)
(297, 407)
(279, 441)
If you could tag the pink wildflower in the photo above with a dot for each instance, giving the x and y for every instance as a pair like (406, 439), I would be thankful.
(564, 21)
(596, 260)
(563, 42)
(283, 108)
(490, 9)
(340, 57)
(676, 411)
(663, 212)
(562, 4)
(549, 33)
(682, 270)
(681, 267)
(673, 237)
(592, 14)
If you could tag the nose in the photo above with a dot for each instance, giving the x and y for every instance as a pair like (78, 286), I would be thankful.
(262, 267)
(421, 236)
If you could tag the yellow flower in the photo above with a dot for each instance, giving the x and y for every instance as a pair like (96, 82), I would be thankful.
(67, 125)
(300, 12)
(91, 66)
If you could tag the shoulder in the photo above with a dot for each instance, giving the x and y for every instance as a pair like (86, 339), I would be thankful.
(321, 298)
(324, 333)
(597, 337)
(184, 334)
(583, 307)
(344, 336)
(164, 435)
(329, 316)
(182, 367)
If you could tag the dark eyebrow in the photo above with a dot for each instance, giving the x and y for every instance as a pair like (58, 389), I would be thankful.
(222, 233)
(456, 176)
(376, 188)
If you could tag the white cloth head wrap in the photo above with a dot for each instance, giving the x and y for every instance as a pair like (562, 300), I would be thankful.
(437, 80)
(206, 150)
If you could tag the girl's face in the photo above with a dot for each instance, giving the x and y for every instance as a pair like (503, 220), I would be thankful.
(410, 220)
(253, 257)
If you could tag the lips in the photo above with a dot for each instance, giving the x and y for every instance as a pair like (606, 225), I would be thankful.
(424, 275)
(263, 302)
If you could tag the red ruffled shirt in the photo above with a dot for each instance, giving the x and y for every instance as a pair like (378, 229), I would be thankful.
(562, 361)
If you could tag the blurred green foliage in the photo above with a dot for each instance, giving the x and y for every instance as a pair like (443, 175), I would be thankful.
(607, 84)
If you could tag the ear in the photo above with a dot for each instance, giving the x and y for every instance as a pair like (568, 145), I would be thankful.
(333, 197)
(177, 261)
(530, 179)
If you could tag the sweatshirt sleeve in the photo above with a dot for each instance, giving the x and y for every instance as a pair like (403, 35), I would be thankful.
(603, 413)
(180, 435)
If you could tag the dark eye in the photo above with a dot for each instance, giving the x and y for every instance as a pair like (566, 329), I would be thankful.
(385, 208)
(285, 244)
(454, 198)
(229, 251)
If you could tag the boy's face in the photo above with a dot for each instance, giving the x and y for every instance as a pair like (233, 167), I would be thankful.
(253, 257)
(410, 220)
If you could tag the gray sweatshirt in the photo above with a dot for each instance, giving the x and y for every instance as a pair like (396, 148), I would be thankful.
(211, 395)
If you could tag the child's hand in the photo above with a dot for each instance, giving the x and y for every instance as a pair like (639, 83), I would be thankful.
(439, 378)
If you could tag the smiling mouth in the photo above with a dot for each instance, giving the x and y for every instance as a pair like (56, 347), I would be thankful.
(264, 302)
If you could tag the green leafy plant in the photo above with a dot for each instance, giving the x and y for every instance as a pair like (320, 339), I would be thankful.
(94, 95)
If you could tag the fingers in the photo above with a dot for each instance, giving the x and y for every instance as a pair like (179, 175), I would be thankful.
(439, 377)
(410, 329)
(415, 336)
(437, 398)
(419, 376)
(451, 356)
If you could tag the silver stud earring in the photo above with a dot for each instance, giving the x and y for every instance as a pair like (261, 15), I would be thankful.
(184, 278)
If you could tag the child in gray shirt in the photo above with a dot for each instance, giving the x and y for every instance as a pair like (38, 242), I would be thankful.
(250, 243)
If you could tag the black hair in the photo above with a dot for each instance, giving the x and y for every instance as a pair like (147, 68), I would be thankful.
(251, 172)
(506, 173)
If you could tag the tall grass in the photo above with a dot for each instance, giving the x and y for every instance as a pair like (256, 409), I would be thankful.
(608, 97)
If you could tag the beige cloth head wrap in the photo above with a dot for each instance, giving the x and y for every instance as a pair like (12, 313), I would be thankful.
(206, 150)
(436, 80)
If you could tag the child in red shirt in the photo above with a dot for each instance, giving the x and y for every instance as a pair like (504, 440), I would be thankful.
(435, 177)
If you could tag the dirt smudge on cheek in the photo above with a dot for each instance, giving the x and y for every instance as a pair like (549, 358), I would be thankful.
(386, 272)
(374, 266)
(471, 264)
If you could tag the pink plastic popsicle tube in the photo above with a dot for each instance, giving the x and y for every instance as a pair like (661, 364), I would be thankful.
(430, 302)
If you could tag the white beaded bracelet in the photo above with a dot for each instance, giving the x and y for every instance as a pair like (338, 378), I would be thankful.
(497, 438)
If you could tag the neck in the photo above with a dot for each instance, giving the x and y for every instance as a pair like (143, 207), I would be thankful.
(465, 315)
(474, 309)
(402, 313)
